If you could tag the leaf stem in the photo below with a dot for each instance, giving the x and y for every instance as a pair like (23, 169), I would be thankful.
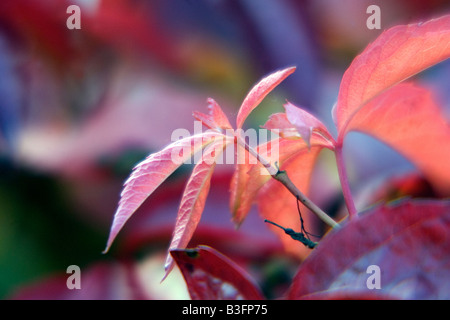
(343, 178)
(282, 177)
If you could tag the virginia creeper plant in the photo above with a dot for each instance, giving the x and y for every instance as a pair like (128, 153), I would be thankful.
(409, 237)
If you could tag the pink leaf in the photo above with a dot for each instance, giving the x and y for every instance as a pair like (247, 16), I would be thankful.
(254, 176)
(277, 204)
(210, 275)
(216, 119)
(408, 241)
(259, 92)
(394, 56)
(193, 201)
(406, 118)
(150, 173)
(280, 123)
(305, 123)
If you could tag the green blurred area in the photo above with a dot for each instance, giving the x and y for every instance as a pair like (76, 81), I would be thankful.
(41, 233)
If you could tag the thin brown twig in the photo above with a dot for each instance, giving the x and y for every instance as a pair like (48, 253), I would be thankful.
(282, 177)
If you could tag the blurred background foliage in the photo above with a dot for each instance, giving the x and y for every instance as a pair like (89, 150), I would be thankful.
(78, 108)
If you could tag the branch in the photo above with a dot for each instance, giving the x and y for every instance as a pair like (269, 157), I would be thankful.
(282, 177)
(343, 177)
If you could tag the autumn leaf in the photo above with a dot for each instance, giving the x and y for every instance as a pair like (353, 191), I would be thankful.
(279, 123)
(407, 240)
(243, 159)
(407, 118)
(279, 151)
(259, 92)
(148, 175)
(277, 204)
(210, 275)
(239, 182)
(193, 200)
(216, 119)
(305, 123)
(396, 55)
(371, 100)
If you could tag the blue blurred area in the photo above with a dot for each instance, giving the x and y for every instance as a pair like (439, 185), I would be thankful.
(12, 94)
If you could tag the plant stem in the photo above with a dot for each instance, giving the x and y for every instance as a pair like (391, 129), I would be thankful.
(282, 177)
(343, 177)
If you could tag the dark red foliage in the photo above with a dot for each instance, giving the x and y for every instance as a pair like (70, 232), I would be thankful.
(409, 241)
(210, 276)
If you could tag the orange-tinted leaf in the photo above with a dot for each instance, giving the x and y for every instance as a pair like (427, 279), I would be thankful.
(394, 56)
(277, 204)
(216, 119)
(150, 173)
(250, 177)
(259, 92)
(239, 184)
(408, 241)
(406, 118)
(280, 123)
(254, 176)
(305, 123)
(193, 201)
(210, 275)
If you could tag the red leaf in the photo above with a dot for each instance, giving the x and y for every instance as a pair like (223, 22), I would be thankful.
(305, 123)
(193, 201)
(216, 119)
(406, 118)
(277, 204)
(239, 182)
(394, 56)
(210, 275)
(279, 123)
(259, 92)
(254, 176)
(408, 241)
(150, 173)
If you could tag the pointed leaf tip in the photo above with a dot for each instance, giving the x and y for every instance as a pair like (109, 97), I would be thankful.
(305, 123)
(259, 92)
(148, 175)
(193, 201)
(215, 119)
